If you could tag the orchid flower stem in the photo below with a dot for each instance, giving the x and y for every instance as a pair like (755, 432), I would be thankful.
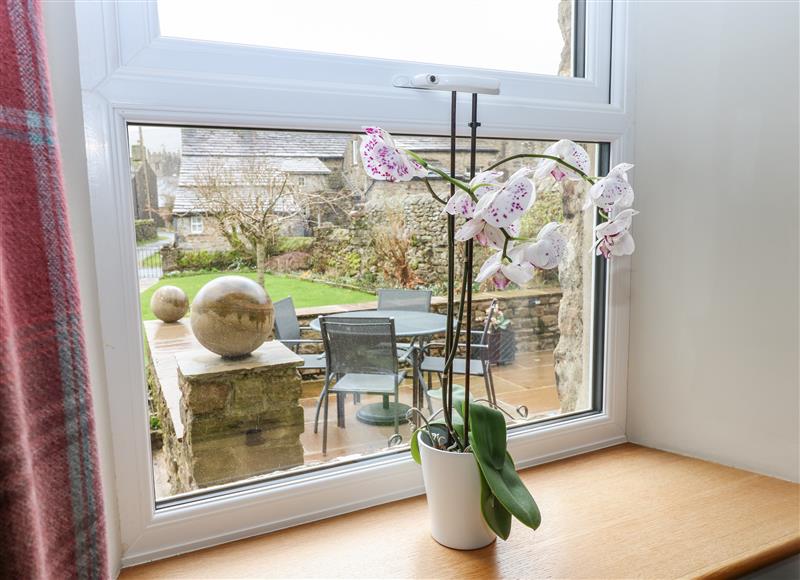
(458, 183)
(433, 193)
(585, 177)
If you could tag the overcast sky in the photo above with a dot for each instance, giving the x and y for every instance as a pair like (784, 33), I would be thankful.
(514, 35)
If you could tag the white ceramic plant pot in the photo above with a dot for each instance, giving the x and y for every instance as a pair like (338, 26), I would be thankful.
(453, 486)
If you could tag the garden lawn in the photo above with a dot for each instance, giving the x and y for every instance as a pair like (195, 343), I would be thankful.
(303, 292)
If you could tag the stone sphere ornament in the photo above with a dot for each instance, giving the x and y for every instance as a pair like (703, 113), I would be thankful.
(169, 303)
(232, 316)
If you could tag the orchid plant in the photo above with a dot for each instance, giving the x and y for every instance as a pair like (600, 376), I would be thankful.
(490, 209)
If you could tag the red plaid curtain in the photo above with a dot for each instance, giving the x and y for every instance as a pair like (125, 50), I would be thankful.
(51, 512)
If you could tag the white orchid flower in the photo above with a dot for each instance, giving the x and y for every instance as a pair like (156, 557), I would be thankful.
(501, 207)
(462, 204)
(613, 236)
(506, 204)
(383, 161)
(503, 273)
(568, 151)
(612, 191)
(547, 251)
(494, 238)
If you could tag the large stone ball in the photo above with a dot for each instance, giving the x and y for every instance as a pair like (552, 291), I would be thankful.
(232, 316)
(169, 303)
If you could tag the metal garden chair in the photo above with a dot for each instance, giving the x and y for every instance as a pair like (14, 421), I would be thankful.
(287, 331)
(478, 365)
(362, 359)
(401, 299)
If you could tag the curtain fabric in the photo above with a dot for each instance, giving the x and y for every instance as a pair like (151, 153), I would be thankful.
(51, 512)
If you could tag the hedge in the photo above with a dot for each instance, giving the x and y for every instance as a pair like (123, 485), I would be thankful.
(205, 260)
(145, 230)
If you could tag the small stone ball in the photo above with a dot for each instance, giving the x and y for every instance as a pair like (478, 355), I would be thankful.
(169, 303)
(232, 316)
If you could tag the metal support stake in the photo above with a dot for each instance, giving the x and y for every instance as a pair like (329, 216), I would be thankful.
(473, 147)
(451, 273)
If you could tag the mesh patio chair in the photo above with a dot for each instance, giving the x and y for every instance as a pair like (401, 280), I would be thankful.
(401, 299)
(362, 359)
(287, 331)
(478, 364)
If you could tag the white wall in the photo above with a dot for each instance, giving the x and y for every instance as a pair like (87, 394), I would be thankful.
(714, 319)
(61, 37)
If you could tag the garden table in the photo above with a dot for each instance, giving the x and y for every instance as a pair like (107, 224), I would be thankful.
(407, 324)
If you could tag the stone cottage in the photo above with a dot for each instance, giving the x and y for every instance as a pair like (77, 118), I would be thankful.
(310, 161)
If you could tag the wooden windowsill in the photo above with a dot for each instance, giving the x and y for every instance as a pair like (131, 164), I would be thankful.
(626, 511)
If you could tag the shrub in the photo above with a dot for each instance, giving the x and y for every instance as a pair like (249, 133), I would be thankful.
(289, 244)
(205, 260)
(145, 230)
(391, 243)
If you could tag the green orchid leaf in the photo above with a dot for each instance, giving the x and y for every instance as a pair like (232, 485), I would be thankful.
(488, 435)
(415, 447)
(458, 405)
(497, 517)
(508, 488)
(437, 393)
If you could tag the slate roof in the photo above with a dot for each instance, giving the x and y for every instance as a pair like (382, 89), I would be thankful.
(235, 150)
(252, 143)
(421, 144)
(187, 202)
(237, 169)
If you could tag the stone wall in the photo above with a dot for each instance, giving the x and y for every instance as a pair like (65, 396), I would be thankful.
(224, 420)
(533, 314)
(210, 238)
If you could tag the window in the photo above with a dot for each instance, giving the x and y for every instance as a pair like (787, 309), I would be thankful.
(197, 224)
(142, 73)
(301, 182)
(532, 39)
(366, 235)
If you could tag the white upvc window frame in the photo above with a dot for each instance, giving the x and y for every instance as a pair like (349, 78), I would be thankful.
(131, 75)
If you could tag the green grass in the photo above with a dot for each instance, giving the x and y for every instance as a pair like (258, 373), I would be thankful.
(159, 238)
(151, 261)
(303, 292)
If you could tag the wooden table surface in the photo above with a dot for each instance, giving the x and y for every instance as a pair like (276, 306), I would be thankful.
(622, 512)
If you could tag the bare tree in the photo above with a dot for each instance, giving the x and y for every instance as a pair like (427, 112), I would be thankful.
(253, 202)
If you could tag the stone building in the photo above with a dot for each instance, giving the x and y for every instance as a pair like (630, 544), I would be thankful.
(310, 161)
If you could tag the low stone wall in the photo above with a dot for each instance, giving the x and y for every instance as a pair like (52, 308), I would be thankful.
(223, 420)
(533, 314)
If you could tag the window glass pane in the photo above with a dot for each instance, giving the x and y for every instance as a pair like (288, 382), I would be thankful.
(507, 35)
(211, 202)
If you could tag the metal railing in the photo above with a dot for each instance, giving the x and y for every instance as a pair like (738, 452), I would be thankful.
(148, 263)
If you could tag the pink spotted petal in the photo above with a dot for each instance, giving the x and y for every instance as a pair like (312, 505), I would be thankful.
(507, 205)
(460, 204)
